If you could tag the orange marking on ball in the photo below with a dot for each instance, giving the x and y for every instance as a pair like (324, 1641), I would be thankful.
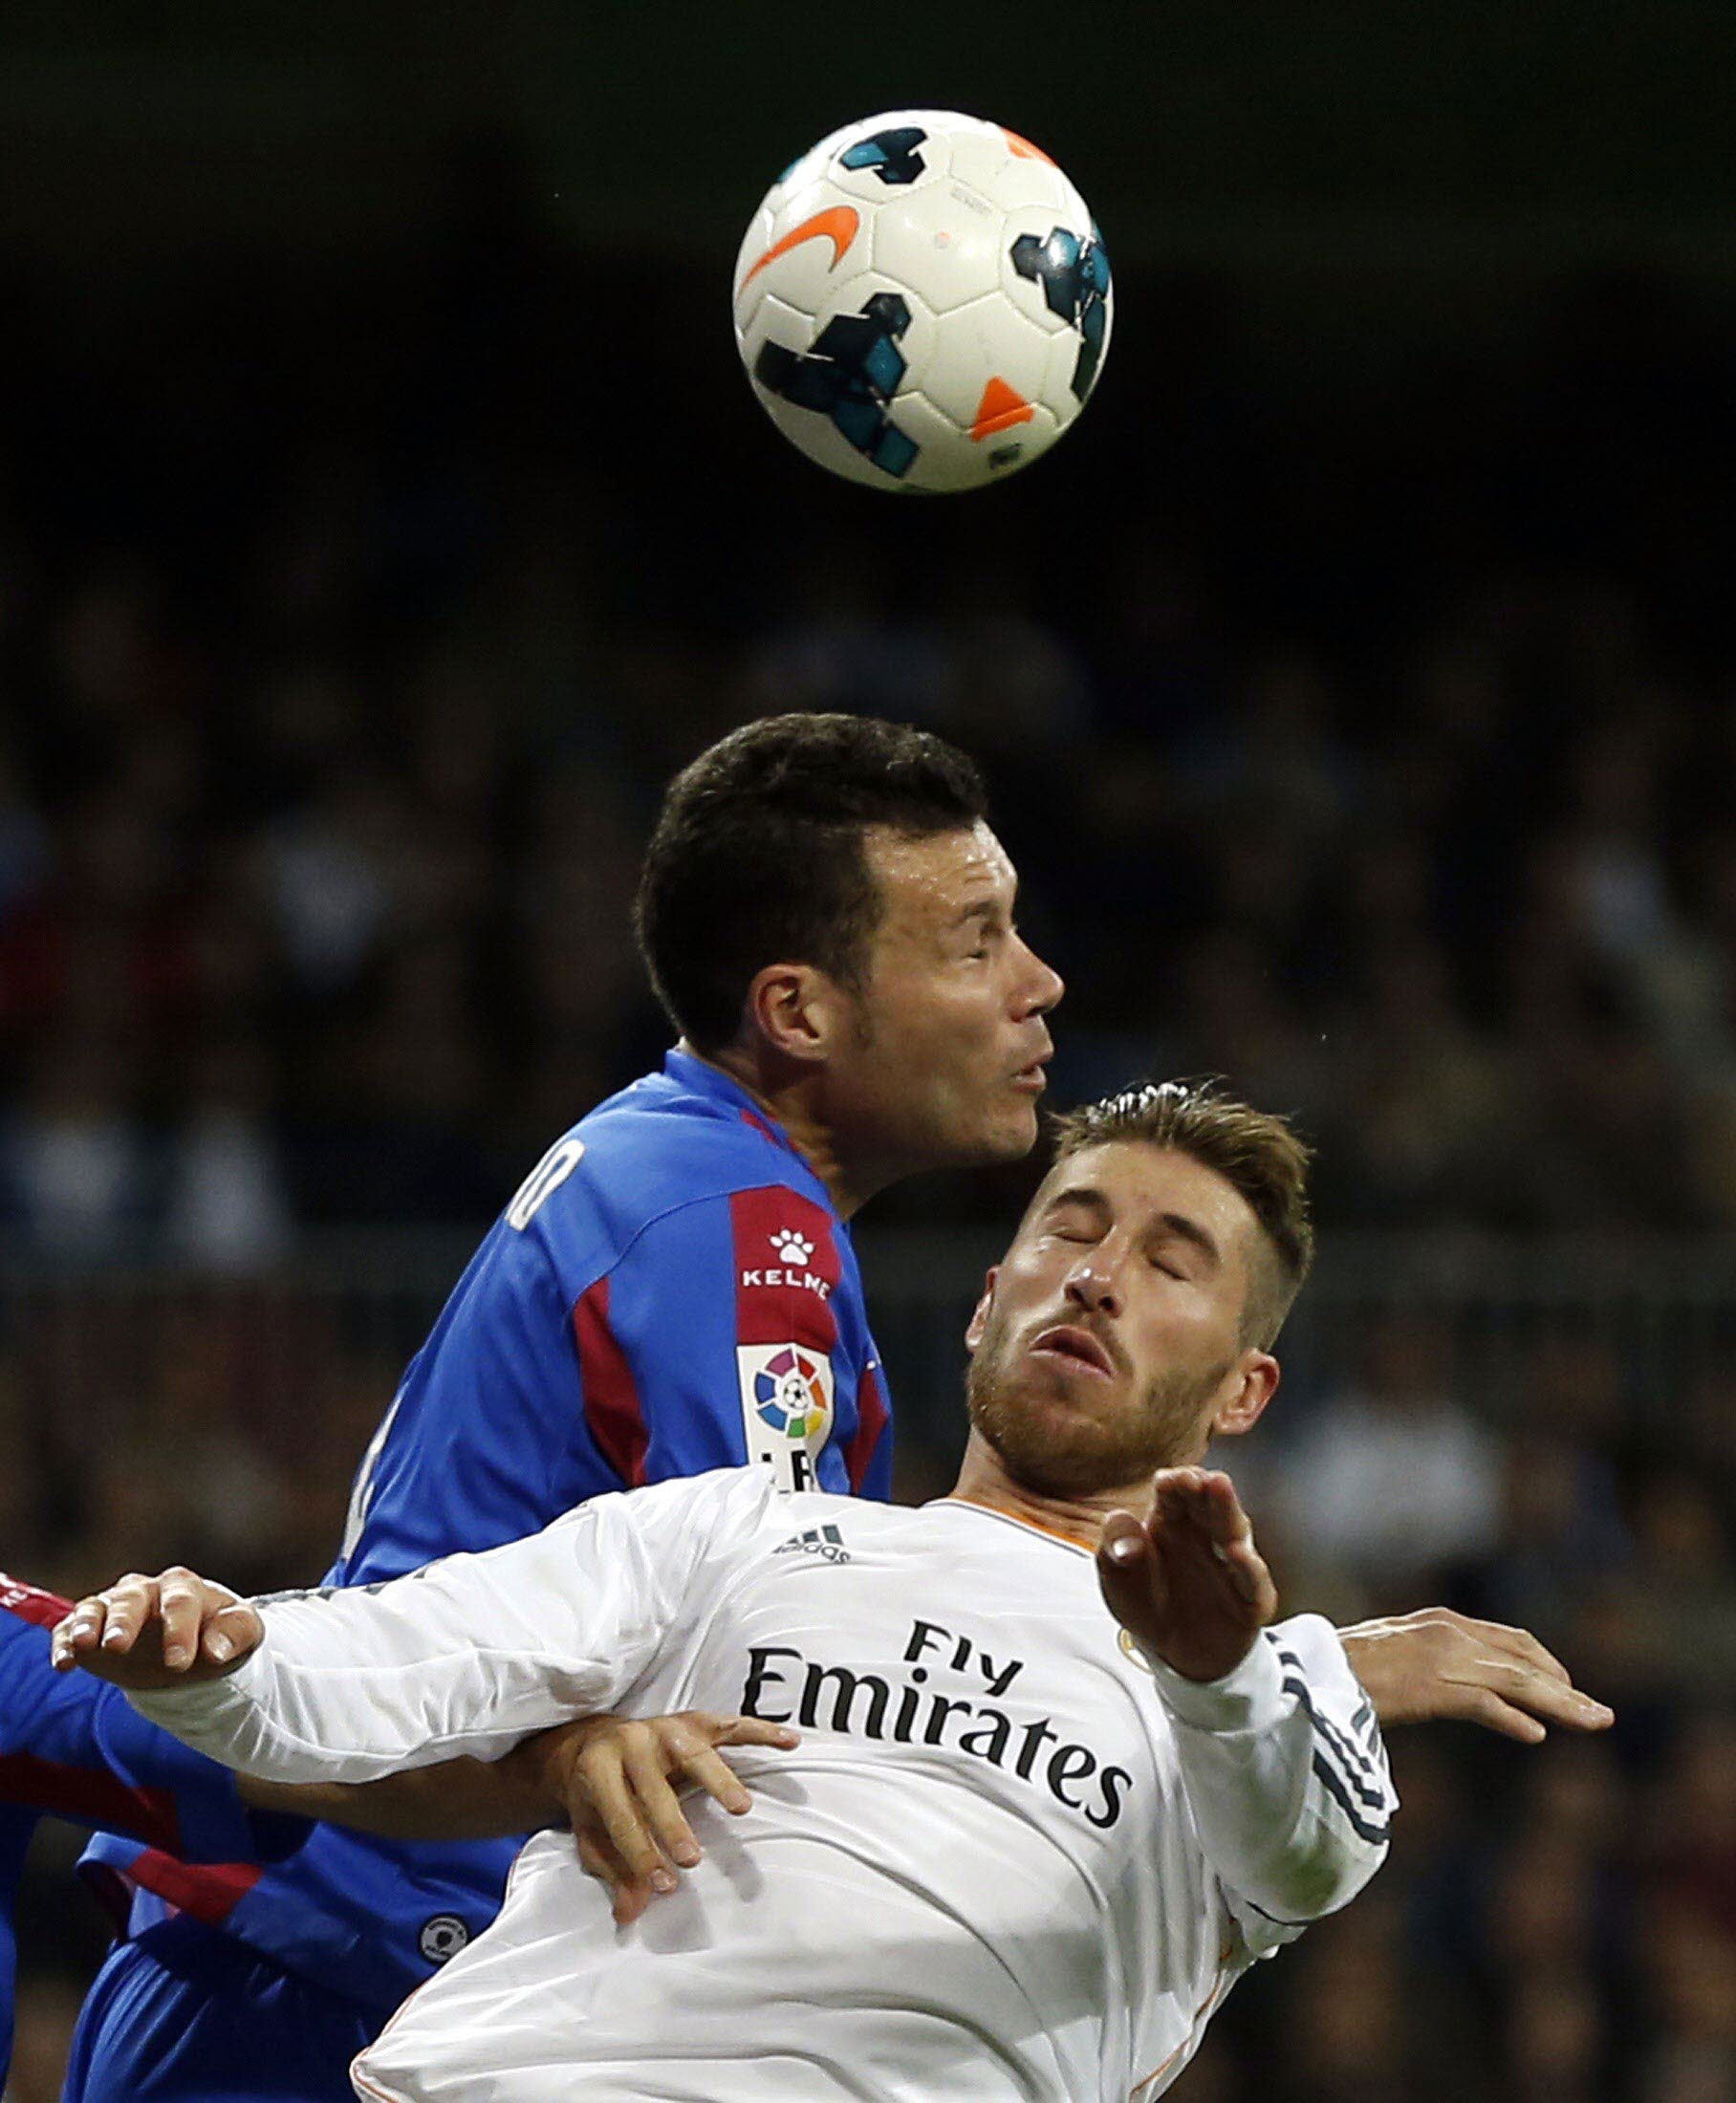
(836, 225)
(998, 410)
(1023, 147)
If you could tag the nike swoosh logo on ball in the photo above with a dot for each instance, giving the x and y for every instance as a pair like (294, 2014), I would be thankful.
(837, 224)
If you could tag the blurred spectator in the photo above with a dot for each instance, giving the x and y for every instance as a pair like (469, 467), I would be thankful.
(1392, 1478)
(225, 1205)
(74, 1163)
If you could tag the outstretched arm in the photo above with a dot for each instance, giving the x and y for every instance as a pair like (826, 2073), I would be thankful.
(1437, 1665)
(1280, 1751)
(463, 1658)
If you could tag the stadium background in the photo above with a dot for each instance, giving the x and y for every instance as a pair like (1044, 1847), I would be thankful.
(382, 517)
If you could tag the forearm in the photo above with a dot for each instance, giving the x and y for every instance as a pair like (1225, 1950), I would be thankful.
(1284, 1773)
(458, 1800)
(461, 1660)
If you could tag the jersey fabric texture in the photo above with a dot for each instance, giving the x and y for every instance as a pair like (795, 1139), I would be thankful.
(1011, 1858)
(74, 1747)
(670, 1290)
(169, 2004)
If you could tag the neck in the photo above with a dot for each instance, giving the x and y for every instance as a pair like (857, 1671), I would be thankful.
(984, 1479)
(793, 1097)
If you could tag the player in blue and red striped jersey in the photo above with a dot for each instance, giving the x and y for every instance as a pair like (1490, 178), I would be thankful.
(828, 921)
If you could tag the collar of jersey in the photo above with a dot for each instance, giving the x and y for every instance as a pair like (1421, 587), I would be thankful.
(1025, 1525)
(701, 1078)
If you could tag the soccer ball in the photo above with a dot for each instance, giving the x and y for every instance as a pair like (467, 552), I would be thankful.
(922, 302)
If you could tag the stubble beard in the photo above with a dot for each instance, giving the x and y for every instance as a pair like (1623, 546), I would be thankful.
(1093, 1452)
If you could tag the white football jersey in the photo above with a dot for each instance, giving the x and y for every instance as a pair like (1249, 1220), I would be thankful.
(1009, 1859)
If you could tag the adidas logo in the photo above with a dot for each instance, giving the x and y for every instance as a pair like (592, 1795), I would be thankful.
(823, 1541)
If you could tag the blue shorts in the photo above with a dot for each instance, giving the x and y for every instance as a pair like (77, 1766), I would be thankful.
(182, 2015)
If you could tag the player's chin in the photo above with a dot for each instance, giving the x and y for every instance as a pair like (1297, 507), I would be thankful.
(1062, 1430)
(1063, 1458)
(1007, 1132)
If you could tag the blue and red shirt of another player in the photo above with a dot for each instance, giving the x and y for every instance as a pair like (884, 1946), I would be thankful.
(75, 1748)
(670, 1290)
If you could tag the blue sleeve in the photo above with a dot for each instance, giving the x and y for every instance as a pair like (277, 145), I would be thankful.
(74, 1747)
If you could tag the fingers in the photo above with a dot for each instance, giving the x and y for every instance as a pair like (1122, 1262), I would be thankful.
(105, 1621)
(659, 1807)
(1527, 1647)
(752, 1730)
(1203, 1504)
(624, 1799)
(606, 1796)
(628, 1895)
(1526, 1691)
(233, 1630)
(181, 1603)
(1484, 1705)
(148, 1632)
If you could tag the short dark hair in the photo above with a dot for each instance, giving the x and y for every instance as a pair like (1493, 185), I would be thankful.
(758, 855)
(1256, 1153)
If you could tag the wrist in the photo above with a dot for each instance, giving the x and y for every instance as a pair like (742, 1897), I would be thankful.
(1248, 1696)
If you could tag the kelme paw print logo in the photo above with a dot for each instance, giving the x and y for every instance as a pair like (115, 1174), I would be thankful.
(791, 1248)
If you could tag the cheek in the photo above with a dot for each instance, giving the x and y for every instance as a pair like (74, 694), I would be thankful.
(1187, 1332)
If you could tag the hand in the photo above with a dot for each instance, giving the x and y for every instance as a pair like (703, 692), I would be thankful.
(144, 1634)
(617, 1781)
(1189, 1585)
(1434, 1663)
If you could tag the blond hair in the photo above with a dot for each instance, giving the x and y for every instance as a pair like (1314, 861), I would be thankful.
(1256, 1153)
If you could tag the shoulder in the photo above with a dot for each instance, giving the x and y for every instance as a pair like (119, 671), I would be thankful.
(725, 1506)
(653, 1151)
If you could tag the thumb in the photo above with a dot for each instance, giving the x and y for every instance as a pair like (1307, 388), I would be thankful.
(1128, 1572)
(232, 1634)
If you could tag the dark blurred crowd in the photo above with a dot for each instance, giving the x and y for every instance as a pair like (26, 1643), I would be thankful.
(1371, 745)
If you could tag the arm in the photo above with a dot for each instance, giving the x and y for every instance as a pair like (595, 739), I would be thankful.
(1279, 1750)
(1437, 1664)
(74, 1749)
(462, 1659)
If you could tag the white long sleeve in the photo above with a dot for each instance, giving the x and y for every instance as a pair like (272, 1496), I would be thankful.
(1286, 1774)
(465, 1657)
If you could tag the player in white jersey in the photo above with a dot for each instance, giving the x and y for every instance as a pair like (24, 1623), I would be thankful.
(1020, 1852)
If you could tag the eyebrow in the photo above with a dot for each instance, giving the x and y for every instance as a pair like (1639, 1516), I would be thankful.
(1185, 1229)
(1177, 1224)
(981, 909)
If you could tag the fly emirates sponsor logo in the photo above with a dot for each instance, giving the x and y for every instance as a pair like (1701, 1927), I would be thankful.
(785, 1687)
(792, 1251)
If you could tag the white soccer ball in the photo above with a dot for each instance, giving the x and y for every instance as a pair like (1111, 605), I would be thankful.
(922, 302)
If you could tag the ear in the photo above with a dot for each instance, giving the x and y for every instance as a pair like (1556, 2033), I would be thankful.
(796, 1010)
(979, 1320)
(1248, 1388)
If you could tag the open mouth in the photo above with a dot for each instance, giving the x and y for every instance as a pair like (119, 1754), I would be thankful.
(1033, 1076)
(1079, 1345)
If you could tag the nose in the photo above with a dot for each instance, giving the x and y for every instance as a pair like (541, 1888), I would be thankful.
(1040, 987)
(1091, 1284)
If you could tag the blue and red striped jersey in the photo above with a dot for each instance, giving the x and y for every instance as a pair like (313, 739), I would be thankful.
(76, 1749)
(670, 1290)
